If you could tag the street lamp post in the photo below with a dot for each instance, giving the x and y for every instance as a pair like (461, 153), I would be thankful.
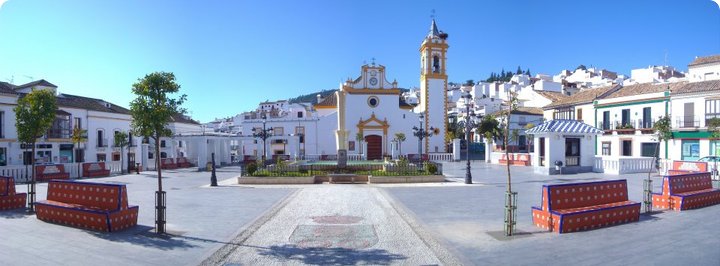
(263, 134)
(469, 124)
(421, 133)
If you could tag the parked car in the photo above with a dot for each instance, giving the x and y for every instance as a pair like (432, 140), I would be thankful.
(712, 163)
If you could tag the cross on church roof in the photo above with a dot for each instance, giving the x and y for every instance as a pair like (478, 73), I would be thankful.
(432, 13)
(373, 61)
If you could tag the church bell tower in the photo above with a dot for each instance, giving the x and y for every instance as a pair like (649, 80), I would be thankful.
(433, 87)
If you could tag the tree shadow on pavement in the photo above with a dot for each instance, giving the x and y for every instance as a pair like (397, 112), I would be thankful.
(331, 256)
(16, 214)
(143, 236)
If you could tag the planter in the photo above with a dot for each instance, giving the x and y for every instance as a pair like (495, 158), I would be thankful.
(406, 179)
(252, 180)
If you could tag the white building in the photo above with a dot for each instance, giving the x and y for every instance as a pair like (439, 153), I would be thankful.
(654, 74)
(100, 118)
(704, 68)
(369, 106)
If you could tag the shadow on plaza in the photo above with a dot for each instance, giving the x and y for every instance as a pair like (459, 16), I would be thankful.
(16, 214)
(144, 236)
(331, 256)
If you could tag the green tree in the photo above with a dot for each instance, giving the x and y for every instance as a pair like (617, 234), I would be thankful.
(121, 141)
(78, 136)
(527, 72)
(151, 111)
(400, 138)
(529, 136)
(713, 127)
(34, 115)
(518, 71)
(515, 136)
(469, 82)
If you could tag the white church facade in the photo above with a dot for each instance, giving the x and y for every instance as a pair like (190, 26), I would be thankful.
(364, 115)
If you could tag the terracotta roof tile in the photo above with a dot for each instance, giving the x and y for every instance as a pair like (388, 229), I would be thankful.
(697, 87)
(552, 95)
(329, 101)
(705, 60)
(583, 96)
(643, 88)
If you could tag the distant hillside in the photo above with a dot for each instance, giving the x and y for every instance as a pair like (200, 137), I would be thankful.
(311, 97)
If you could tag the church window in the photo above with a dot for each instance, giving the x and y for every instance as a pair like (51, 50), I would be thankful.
(373, 101)
(436, 64)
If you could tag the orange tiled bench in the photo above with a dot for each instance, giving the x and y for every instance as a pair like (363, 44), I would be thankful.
(583, 206)
(94, 206)
(168, 163)
(8, 198)
(95, 170)
(183, 162)
(521, 160)
(686, 190)
(52, 171)
(504, 159)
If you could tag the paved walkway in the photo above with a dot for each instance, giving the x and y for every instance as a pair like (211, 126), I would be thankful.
(469, 221)
(201, 220)
(334, 224)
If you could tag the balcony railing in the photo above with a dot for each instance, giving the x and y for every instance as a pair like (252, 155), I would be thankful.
(645, 124)
(59, 133)
(687, 122)
(572, 160)
(102, 143)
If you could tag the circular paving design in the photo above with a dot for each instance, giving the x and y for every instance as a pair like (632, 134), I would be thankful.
(337, 219)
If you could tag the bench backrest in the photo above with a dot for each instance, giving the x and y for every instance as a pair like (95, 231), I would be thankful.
(96, 195)
(49, 169)
(91, 167)
(7, 186)
(686, 182)
(577, 195)
(522, 157)
(167, 161)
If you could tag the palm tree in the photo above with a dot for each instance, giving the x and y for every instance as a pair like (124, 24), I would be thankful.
(359, 138)
(400, 137)
(79, 135)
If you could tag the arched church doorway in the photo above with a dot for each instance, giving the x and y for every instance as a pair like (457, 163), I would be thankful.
(374, 147)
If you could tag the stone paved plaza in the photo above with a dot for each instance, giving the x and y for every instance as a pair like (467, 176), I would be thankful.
(410, 224)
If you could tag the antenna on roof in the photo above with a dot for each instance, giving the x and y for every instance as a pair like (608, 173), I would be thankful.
(11, 80)
(30, 77)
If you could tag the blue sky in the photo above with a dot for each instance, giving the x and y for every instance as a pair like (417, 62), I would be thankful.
(230, 55)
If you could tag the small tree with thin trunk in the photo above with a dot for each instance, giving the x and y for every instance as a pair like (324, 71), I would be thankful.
(662, 134)
(121, 141)
(78, 136)
(512, 104)
(34, 115)
(400, 138)
(713, 127)
(151, 111)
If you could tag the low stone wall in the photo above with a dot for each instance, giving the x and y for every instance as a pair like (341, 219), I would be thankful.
(406, 179)
(251, 180)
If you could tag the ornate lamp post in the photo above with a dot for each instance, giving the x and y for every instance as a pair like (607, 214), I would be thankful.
(421, 133)
(263, 134)
(469, 124)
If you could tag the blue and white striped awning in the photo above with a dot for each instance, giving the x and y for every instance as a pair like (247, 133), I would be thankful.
(564, 126)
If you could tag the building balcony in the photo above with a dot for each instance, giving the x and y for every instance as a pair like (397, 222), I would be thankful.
(687, 122)
(58, 133)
